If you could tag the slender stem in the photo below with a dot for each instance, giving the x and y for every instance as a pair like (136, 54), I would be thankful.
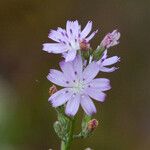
(66, 145)
(63, 145)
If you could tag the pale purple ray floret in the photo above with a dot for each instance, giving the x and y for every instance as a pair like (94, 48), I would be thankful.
(111, 39)
(105, 62)
(79, 85)
(69, 40)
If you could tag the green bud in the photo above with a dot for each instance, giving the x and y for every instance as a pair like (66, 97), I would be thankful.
(85, 121)
(58, 129)
(88, 126)
(61, 126)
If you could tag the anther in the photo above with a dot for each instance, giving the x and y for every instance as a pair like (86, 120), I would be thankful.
(71, 31)
(67, 82)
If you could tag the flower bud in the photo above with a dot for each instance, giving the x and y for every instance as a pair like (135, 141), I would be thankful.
(52, 90)
(111, 39)
(92, 125)
(88, 127)
(84, 45)
(58, 129)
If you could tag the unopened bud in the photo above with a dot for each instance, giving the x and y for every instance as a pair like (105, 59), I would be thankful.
(52, 90)
(92, 125)
(84, 45)
(111, 39)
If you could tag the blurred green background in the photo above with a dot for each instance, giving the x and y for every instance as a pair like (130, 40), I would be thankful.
(26, 117)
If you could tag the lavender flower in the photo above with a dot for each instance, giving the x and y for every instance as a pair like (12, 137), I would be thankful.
(104, 62)
(79, 85)
(111, 39)
(69, 41)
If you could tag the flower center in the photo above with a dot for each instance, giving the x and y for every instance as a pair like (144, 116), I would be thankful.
(74, 44)
(78, 86)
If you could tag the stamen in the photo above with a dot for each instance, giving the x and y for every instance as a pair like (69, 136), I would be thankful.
(59, 40)
(66, 35)
(62, 33)
(71, 31)
(69, 44)
(64, 42)
(67, 82)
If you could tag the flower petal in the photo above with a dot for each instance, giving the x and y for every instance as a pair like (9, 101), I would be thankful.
(88, 105)
(55, 35)
(75, 28)
(78, 66)
(70, 55)
(64, 38)
(58, 78)
(90, 72)
(116, 35)
(73, 106)
(55, 48)
(69, 28)
(68, 70)
(104, 69)
(61, 97)
(96, 94)
(91, 36)
(86, 30)
(102, 84)
(111, 61)
(58, 93)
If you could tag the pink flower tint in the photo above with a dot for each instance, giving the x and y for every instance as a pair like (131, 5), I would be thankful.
(69, 40)
(111, 39)
(79, 85)
(105, 62)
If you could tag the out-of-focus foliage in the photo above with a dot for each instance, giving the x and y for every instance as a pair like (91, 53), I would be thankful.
(26, 118)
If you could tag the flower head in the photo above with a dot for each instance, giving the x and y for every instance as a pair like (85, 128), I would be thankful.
(79, 86)
(104, 62)
(69, 40)
(111, 39)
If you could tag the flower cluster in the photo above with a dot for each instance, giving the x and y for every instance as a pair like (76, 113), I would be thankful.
(78, 73)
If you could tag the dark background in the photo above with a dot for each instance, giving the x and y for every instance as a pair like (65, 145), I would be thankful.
(26, 118)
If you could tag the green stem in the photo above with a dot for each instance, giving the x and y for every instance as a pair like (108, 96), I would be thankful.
(63, 145)
(66, 145)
